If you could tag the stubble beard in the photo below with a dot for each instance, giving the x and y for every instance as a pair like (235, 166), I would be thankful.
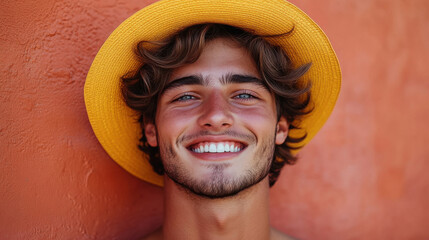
(217, 185)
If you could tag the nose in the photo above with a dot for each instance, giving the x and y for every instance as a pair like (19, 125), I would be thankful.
(216, 113)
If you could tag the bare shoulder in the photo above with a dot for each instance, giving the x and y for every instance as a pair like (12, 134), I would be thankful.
(277, 235)
(155, 235)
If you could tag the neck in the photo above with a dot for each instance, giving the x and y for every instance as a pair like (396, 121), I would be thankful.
(243, 216)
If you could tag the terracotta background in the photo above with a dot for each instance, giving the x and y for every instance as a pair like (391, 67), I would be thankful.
(363, 177)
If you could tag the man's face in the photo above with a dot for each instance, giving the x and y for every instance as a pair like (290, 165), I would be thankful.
(216, 123)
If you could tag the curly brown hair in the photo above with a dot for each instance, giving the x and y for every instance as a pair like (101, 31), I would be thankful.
(141, 89)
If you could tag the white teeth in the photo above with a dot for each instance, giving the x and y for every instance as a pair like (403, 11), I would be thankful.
(212, 148)
(218, 147)
(231, 147)
(235, 149)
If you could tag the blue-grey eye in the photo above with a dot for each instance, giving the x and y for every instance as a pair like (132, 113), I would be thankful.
(185, 98)
(244, 96)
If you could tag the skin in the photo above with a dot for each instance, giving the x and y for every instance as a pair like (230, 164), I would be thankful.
(205, 197)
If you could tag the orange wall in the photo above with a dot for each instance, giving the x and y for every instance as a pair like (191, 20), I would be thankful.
(363, 177)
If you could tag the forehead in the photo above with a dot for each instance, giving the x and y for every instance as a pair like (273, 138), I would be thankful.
(219, 57)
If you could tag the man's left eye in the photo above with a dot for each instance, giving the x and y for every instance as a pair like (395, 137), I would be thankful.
(244, 96)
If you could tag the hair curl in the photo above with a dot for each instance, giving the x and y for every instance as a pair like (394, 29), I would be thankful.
(141, 89)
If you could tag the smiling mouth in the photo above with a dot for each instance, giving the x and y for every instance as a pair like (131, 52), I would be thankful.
(217, 147)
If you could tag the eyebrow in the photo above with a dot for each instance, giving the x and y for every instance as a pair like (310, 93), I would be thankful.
(239, 78)
(188, 80)
(225, 79)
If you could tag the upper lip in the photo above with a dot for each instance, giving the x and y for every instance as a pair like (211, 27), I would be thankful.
(215, 138)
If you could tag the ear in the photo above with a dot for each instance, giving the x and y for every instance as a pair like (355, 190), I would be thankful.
(150, 133)
(282, 130)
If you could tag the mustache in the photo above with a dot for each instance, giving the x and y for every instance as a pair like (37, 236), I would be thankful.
(249, 138)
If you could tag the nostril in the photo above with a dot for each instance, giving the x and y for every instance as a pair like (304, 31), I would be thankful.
(215, 116)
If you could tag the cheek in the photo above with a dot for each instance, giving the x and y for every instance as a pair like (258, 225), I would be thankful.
(171, 124)
(260, 120)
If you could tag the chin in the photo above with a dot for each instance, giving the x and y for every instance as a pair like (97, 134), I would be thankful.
(217, 185)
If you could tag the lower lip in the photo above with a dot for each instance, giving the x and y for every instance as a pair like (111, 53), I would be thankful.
(215, 156)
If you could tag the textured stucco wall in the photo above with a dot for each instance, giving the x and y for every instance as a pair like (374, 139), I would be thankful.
(363, 177)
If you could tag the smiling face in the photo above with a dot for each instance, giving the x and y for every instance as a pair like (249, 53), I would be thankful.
(216, 123)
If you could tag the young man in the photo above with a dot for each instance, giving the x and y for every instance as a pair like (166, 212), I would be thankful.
(222, 106)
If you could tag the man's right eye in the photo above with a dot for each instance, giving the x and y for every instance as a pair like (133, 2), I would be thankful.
(186, 97)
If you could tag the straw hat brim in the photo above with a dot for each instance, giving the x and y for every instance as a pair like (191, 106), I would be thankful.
(115, 124)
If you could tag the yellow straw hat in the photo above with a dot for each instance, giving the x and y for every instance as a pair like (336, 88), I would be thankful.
(115, 124)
